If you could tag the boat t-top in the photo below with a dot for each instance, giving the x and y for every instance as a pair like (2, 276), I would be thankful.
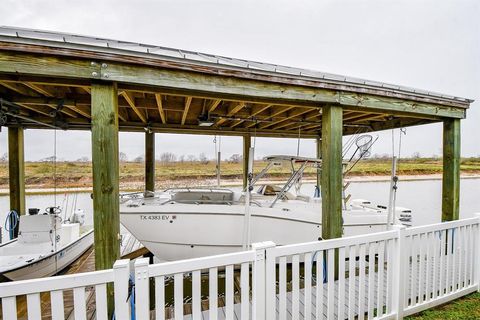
(188, 222)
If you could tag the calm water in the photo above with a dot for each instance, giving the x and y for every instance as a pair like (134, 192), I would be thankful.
(423, 197)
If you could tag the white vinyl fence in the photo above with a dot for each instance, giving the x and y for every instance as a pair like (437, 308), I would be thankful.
(383, 275)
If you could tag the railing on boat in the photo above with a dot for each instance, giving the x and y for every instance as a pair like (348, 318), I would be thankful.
(382, 275)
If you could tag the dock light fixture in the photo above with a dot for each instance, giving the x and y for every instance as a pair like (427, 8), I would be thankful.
(205, 121)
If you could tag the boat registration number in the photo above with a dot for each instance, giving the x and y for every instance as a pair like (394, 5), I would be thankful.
(163, 217)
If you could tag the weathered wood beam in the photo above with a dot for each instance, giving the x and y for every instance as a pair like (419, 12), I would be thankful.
(232, 111)
(224, 87)
(451, 170)
(332, 172)
(16, 173)
(158, 98)
(106, 217)
(149, 161)
(247, 141)
(84, 111)
(131, 102)
(188, 102)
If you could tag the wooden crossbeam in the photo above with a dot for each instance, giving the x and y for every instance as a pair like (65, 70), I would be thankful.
(237, 107)
(38, 109)
(131, 102)
(311, 115)
(368, 117)
(80, 110)
(158, 98)
(188, 101)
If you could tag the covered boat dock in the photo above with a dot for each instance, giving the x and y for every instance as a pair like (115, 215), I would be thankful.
(51, 80)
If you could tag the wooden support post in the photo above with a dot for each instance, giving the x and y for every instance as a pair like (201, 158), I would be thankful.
(319, 156)
(149, 161)
(332, 172)
(16, 167)
(106, 215)
(246, 154)
(451, 170)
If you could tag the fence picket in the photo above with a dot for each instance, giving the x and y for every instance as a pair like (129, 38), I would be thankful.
(56, 303)
(229, 292)
(213, 293)
(331, 283)
(9, 308)
(421, 266)
(33, 306)
(380, 274)
(101, 308)
(196, 295)
(295, 287)
(308, 286)
(319, 291)
(282, 279)
(341, 283)
(351, 281)
(371, 279)
(160, 298)
(142, 289)
(178, 295)
(80, 310)
(361, 283)
(245, 290)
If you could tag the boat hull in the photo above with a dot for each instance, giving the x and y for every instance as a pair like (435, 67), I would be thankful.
(53, 263)
(189, 233)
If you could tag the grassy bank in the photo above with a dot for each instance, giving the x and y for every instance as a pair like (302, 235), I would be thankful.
(464, 308)
(78, 174)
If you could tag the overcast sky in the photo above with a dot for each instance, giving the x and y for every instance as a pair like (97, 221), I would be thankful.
(432, 45)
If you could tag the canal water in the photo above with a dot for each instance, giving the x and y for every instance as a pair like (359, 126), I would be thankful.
(422, 197)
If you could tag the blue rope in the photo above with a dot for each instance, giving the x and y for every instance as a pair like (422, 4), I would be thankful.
(11, 223)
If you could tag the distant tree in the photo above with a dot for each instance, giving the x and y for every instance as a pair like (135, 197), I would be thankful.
(181, 159)
(167, 157)
(191, 158)
(83, 159)
(49, 159)
(416, 155)
(203, 158)
(122, 157)
(139, 159)
(4, 157)
(235, 158)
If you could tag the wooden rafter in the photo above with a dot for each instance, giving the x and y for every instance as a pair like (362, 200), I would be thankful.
(257, 109)
(39, 89)
(188, 101)
(214, 105)
(273, 114)
(237, 107)
(308, 117)
(292, 114)
(158, 98)
(131, 102)
(367, 117)
(16, 87)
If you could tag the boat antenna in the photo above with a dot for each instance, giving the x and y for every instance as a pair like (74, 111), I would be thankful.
(394, 180)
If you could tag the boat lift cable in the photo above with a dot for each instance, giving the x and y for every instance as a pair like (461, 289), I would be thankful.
(394, 180)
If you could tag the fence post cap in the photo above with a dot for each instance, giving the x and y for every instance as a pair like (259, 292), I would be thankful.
(121, 263)
(263, 245)
(141, 262)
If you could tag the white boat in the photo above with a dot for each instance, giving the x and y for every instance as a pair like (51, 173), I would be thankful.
(44, 246)
(195, 222)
